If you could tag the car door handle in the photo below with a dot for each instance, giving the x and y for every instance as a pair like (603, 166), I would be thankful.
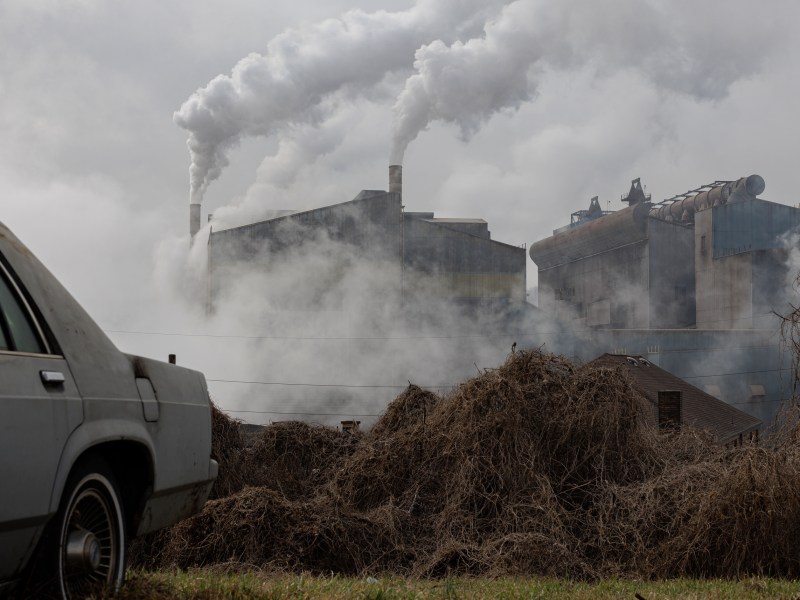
(52, 377)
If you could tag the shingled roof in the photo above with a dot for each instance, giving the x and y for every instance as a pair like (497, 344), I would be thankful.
(698, 409)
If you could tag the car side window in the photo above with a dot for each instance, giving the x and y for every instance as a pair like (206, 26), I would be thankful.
(3, 340)
(17, 332)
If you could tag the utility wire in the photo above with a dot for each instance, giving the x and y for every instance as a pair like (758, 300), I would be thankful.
(305, 414)
(786, 370)
(322, 385)
(334, 338)
(518, 335)
(450, 385)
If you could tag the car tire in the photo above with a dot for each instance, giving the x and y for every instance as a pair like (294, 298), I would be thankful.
(89, 549)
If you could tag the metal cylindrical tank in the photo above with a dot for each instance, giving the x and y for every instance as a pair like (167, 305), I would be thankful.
(623, 227)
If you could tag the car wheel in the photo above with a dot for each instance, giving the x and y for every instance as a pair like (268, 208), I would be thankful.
(90, 533)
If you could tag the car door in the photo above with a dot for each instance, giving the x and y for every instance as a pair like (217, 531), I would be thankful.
(39, 408)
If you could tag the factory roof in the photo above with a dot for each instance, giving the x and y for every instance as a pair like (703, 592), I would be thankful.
(698, 409)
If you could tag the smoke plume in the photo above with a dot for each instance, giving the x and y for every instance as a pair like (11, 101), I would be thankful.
(467, 61)
(293, 82)
(465, 83)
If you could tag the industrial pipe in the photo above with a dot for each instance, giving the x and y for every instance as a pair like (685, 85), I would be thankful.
(746, 188)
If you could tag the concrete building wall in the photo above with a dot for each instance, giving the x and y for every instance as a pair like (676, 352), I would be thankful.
(604, 290)
(444, 260)
(638, 273)
(672, 277)
(596, 273)
(740, 262)
(724, 284)
(773, 291)
(421, 257)
(367, 228)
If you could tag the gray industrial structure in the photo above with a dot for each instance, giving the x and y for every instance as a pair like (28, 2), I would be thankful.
(420, 257)
(692, 282)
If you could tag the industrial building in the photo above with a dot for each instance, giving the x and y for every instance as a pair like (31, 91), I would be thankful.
(420, 258)
(692, 283)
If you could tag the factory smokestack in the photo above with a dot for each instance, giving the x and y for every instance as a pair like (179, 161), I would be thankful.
(396, 179)
(194, 219)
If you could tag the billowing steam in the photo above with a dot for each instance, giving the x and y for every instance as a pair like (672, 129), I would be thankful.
(466, 60)
(467, 83)
(294, 80)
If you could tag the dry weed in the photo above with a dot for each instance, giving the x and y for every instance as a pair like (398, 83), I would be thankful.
(538, 467)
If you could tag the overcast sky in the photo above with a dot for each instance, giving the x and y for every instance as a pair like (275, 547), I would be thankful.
(517, 112)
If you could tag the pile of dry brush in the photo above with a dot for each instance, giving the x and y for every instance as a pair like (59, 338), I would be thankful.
(537, 467)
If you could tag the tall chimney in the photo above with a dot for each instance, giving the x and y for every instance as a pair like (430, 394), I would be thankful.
(194, 219)
(396, 179)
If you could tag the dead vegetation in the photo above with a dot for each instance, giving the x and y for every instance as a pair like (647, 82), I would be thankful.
(538, 467)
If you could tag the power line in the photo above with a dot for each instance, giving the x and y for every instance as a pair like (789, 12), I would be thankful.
(304, 414)
(323, 385)
(786, 370)
(448, 385)
(332, 338)
(517, 335)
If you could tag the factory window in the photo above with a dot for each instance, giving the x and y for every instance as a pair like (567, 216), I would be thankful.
(757, 391)
(680, 292)
(703, 244)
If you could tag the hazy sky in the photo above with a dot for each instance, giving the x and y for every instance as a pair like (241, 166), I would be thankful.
(518, 113)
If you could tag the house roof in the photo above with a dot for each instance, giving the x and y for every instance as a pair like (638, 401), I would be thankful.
(698, 409)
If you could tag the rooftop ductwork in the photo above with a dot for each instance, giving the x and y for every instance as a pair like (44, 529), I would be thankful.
(682, 208)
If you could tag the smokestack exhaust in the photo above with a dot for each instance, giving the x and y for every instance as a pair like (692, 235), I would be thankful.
(194, 219)
(396, 179)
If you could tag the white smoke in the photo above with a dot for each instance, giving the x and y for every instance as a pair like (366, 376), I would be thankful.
(465, 83)
(790, 242)
(468, 60)
(318, 329)
(302, 69)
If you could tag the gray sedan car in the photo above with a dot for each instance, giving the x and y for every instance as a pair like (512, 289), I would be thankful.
(96, 446)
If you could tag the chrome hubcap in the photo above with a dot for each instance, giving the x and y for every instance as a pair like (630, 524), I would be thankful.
(83, 551)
